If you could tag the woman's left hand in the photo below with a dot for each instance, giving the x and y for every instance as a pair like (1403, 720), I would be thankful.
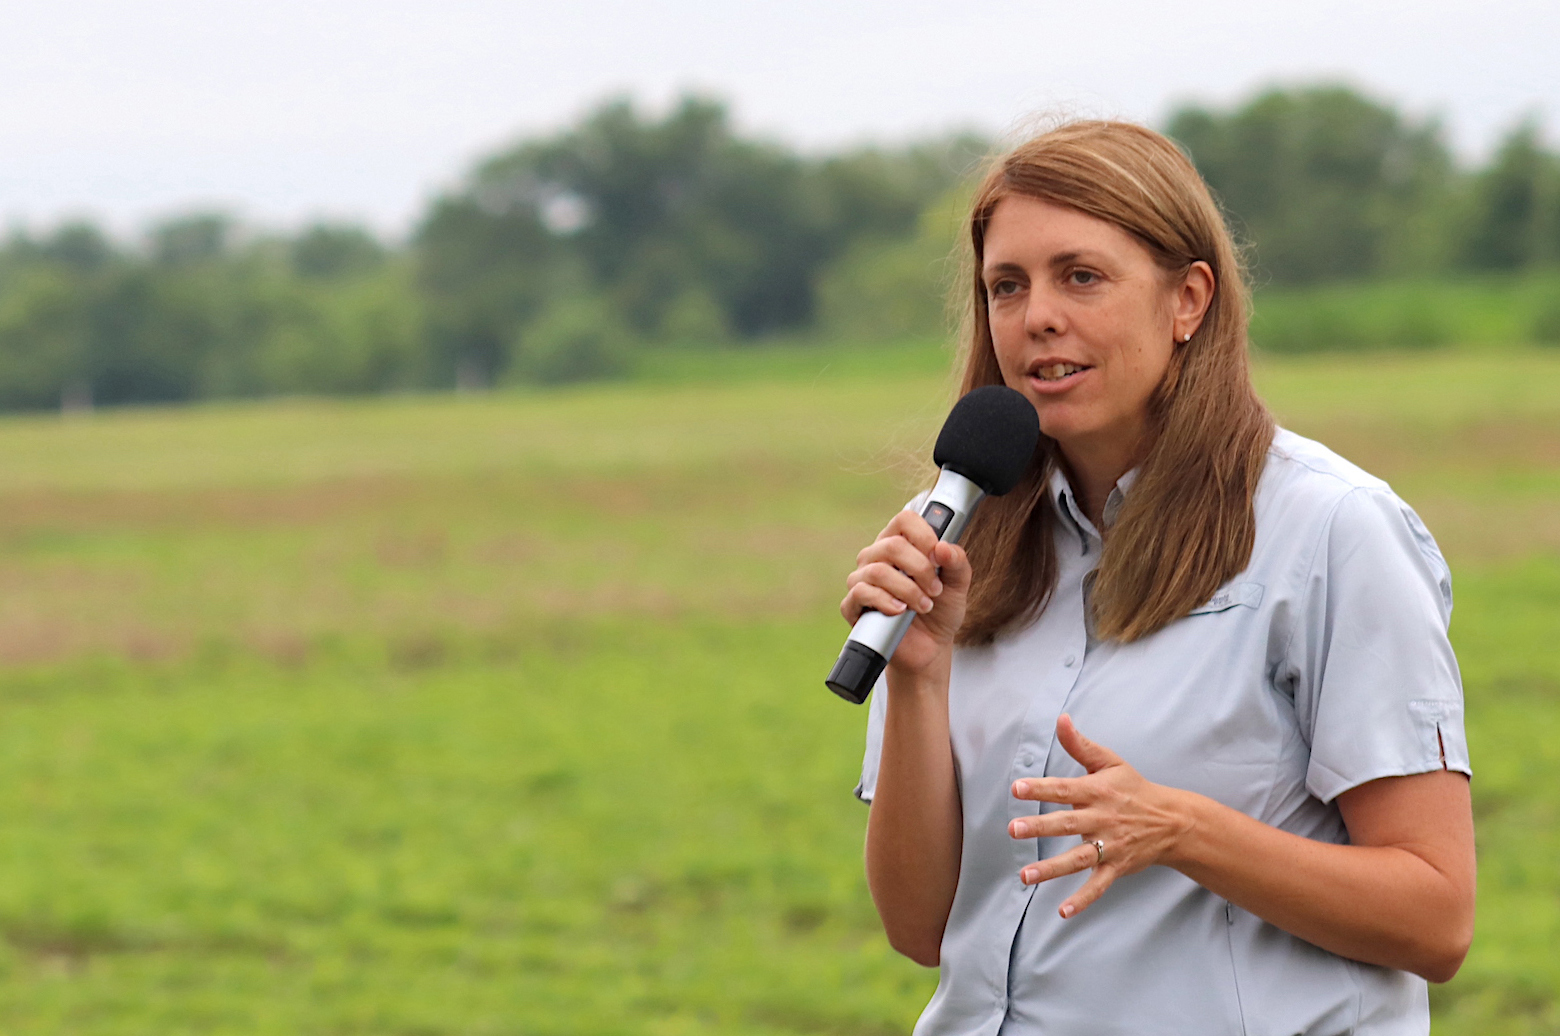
(1139, 822)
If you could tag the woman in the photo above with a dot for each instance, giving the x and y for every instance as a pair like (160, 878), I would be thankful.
(1267, 828)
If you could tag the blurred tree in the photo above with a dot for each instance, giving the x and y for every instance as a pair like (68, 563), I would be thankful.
(186, 240)
(44, 337)
(1515, 209)
(885, 193)
(1325, 183)
(559, 256)
(483, 272)
(578, 338)
(198, 316)
(694, 318)
(345, 338)
(328, 250)
(899, 287)
(149, 333)
(686, 230)
(77, 245)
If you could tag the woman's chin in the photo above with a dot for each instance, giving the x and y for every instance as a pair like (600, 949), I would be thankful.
(1059, 423)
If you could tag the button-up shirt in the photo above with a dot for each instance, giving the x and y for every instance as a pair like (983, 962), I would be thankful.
(1324, 665)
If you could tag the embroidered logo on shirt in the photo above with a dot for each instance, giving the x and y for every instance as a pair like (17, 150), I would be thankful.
(1236, 594)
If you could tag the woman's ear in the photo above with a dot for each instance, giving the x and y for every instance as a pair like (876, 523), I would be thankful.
(1192, 299)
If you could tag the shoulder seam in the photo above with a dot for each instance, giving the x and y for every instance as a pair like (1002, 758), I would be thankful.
(1375, 483)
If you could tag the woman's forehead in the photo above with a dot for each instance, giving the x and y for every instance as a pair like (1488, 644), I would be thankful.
(1023, 229)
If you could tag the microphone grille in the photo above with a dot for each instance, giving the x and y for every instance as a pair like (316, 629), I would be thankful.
(989, 438)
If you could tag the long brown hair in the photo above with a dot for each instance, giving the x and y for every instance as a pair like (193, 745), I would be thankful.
(1187, 526)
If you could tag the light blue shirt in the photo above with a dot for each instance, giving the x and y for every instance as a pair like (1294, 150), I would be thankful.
(1325, 664)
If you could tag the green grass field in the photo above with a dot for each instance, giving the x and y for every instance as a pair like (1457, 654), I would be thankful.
(504, 714)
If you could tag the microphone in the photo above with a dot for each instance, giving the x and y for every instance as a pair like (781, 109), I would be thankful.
(983, 450)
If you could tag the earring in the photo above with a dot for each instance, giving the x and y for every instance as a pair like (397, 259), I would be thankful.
(1186, 337)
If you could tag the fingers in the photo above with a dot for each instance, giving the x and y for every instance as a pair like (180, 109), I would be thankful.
(1101, 802)
(953, 565)
(1070, 791)
(899, 584)
(907, 567)
(913, 528)
(1094, 757)
(1102, 878)
(1067, 791)
(899, 553)
(1054, 825)
(863, 595)
(1078, 858)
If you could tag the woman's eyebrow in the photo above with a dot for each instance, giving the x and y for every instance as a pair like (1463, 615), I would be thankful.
(1055, 262)
(1001, 268)
(1068, 258)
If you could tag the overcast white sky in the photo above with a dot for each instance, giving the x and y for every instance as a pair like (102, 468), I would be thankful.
(287, 110)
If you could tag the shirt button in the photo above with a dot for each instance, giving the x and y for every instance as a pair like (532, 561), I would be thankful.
(1070, 660)
(1028, 760)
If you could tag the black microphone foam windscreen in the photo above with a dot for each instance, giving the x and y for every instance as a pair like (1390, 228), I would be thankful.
(989, 438)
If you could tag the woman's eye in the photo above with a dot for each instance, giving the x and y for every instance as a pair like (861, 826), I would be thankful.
(1082, 277)
(1004, 288)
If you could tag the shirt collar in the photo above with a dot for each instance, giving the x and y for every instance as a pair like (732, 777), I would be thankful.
(1067, 502)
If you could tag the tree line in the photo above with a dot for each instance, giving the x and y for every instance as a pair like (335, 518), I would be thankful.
(559, 257)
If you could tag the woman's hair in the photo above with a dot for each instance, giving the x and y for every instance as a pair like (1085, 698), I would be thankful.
(1187, 526)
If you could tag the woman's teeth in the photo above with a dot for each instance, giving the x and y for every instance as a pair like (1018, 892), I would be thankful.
(1057, 371)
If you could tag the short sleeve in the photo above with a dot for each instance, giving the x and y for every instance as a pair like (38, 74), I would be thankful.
(876, 711)
(1377, 689)
(867, 786)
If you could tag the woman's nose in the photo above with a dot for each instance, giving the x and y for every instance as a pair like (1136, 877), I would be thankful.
(1043, 317)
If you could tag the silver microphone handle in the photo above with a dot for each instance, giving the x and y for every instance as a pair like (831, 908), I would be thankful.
(875, 636)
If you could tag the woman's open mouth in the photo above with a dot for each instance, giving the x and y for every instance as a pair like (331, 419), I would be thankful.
(1057, 373)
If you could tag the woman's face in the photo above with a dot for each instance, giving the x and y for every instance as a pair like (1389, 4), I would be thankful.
(1083, 321)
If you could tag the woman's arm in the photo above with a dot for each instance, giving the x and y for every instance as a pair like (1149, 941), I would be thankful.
(915, 830)
(1400, 895)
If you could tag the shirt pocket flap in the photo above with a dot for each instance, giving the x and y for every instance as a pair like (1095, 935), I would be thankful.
(1234, 595)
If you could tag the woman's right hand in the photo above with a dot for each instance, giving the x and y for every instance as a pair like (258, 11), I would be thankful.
(900, 570)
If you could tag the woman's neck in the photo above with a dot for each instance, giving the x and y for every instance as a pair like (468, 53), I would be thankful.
(1093, 469)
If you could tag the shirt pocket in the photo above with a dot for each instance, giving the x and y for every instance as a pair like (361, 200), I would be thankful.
(1231, 595)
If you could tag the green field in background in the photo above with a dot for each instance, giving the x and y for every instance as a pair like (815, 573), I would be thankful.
(503, 713)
